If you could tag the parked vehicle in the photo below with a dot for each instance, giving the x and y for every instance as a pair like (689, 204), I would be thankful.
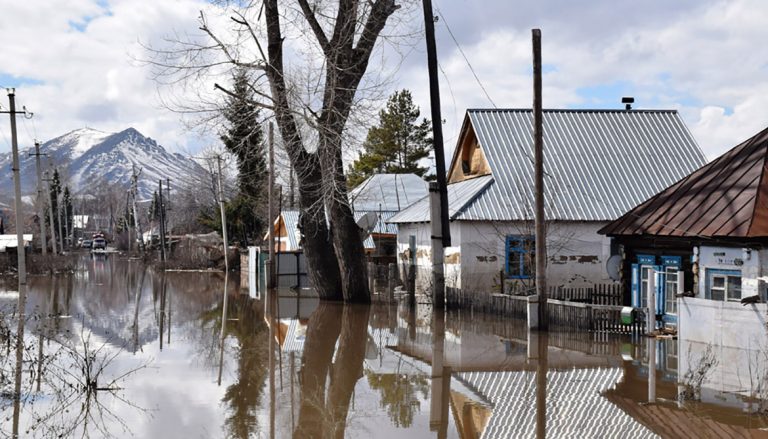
(99, 243)
(87, 243)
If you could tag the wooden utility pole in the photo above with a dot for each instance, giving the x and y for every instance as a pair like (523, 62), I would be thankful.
(441, 232)
(271, 208)
(58, 215)
(40, 200)
(50, 212)
(223, 217)
(168, 207)
(162, 227)
(137, 224)
(538, 158)
(21, 257)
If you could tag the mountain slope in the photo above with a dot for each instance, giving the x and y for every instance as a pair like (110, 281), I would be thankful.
(88, 159)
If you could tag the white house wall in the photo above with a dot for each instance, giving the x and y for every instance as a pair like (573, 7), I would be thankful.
(577, 254)
(732, 258)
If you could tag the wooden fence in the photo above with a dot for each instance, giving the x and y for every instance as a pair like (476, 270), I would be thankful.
(600, 294)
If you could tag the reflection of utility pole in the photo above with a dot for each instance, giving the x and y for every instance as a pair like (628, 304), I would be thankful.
(50, 211)
(223, 217)
(223, 332)
(40, 200)
(542, 366)
(441, 377)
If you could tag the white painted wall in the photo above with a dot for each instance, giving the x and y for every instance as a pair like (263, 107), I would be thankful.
(576, 253)
(737, 337)
(732, 258)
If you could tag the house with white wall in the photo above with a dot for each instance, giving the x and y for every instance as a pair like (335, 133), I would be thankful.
(707, 236)
(597, 164)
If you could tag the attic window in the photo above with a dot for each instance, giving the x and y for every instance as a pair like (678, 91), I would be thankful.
(465, 167)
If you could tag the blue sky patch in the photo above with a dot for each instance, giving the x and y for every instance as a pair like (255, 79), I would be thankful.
(8, 80)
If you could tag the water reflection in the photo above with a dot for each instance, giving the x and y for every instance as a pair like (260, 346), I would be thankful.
(225, 365)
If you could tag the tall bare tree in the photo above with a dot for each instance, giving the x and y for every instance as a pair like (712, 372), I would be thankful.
(342, 35)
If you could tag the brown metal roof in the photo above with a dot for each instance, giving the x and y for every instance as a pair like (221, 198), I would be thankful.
(727, 197)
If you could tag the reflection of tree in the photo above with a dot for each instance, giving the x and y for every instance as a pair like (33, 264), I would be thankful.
(399, 395)
(318, 416)
(244, 396)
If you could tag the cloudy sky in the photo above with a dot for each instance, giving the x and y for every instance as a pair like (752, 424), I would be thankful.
(78, 63)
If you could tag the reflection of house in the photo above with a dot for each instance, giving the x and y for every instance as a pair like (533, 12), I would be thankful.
(598, 164)
(706, 234)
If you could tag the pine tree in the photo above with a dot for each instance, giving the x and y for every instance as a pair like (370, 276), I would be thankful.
(396, 144)
(243, 137)
(55, 187)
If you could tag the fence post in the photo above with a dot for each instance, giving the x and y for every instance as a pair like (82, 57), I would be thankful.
(371, 277)
(392, 281)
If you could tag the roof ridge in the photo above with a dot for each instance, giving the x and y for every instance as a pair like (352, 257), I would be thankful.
(573, 110)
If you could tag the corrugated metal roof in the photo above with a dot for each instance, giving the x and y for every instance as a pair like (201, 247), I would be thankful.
(724, 198)
(291, 218)
(574, 405)
(598, 163)
(392, 192)
(459, 195)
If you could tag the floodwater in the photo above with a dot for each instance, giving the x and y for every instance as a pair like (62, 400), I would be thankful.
(122, 350)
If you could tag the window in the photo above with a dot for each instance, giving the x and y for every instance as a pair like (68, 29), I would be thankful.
(520, 256)
(724, 285)
(671, 289)
(645, 274)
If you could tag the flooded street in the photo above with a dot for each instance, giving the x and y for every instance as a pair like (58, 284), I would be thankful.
(123, 350)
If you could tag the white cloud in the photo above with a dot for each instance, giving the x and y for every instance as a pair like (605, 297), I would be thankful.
(696, 56)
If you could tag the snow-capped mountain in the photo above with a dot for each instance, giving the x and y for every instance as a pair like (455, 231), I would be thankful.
(88, 159)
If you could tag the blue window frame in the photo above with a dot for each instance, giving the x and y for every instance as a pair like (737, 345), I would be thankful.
(520, 254)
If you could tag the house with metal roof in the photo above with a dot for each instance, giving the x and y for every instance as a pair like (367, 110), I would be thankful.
(597, 163)
(377, 199)
(704, 238)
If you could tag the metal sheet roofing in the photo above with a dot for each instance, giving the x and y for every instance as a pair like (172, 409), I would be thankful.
(291, 218)
(390, 192)
(460, 195)
(574, 405)
(724, 198)
(598, 164)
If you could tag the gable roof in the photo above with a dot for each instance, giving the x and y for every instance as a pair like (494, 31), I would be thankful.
(725, 198)
(388, 192)
(598, 163)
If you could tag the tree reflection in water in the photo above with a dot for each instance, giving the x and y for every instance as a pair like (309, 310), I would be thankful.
(321, 416)
(399, 395)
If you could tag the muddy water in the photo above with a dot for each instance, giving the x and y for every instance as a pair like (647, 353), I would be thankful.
(122, 350)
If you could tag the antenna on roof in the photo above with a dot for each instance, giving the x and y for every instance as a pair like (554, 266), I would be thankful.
(628, 100)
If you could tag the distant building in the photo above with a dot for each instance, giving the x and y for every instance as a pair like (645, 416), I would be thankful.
(383, 195)
(598, 164)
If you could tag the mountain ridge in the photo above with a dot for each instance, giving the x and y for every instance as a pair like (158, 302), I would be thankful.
(87, 158)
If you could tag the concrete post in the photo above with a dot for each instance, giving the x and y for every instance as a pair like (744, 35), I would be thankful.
(533, 312)
(650, 320)
(438, 259)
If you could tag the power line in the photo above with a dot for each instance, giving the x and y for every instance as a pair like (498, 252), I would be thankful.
(469, 64)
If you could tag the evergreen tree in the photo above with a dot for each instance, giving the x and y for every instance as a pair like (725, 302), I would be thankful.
(243, 137)
(55, 186)
(396, 144)
(68, 212)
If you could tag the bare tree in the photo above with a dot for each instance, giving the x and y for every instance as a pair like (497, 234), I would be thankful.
(312, 126)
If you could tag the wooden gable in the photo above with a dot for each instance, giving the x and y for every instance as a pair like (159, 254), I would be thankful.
(468, 158)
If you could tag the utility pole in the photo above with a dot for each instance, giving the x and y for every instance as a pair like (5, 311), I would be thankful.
(168, 226)
(538, 158)
(437, 135)
(223, 217)
(40, 200)
(58, 214)
(271, 208)
(136, 223)
(162, 227)
(21, 257)
(50, 212)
